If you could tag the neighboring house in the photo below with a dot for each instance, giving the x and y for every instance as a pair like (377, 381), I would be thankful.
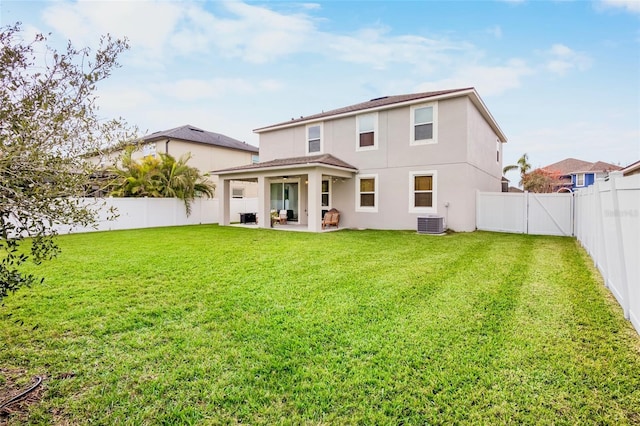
(381, 163)
(575, 174)
(208, 150)
(632, 169)
(505, 184)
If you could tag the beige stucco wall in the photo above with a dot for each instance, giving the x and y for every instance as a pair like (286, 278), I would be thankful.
(463, 159)
(204, 157)
(482, 145)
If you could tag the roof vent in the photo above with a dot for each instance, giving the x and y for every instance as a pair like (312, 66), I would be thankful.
(196, 130)
(378, 99)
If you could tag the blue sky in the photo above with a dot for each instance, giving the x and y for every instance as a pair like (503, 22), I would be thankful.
(562, 78)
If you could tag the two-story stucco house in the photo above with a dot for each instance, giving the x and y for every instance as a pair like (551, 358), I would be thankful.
(209, 151)
(382, 163)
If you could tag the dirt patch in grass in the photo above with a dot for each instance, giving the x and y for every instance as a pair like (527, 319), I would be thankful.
(13, 382)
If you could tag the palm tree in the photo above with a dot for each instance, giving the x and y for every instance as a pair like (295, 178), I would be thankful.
(135, 178)
(179, 180)
(523, 165)
(160, 177)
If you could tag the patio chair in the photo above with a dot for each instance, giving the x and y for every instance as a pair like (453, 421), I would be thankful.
(331, 218)
(282, 218)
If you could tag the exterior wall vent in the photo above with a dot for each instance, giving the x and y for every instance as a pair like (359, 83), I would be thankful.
(430, 225)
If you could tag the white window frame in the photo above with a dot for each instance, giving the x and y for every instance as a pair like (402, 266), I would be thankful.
(376, 194)
(434, 138)
(149, 149)
(307, 140)
(434, 192)
(375, 132)
(255, 158)
(328, 193)
(578, 175)
(237, 189)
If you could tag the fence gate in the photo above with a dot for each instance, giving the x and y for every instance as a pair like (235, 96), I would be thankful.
(525, 213)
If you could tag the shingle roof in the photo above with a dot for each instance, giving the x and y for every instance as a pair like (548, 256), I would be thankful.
(601, 166)
(326, 159)
(573, 165)
(373, 103)
(194, 134)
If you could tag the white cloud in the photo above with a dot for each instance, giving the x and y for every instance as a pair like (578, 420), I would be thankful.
(373, 46)
(311, 6)
(130, 98)
(254, 34)
(561, 59)
(147, 24)
(257, 34)
(632, 6)
(488, 80)
(194, 89)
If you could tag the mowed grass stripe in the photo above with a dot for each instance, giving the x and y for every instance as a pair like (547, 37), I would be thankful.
(209, 325)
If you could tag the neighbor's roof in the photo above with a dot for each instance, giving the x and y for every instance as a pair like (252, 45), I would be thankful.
(323, 159)
(572, 165)
(387, 102)
(193, 134)
(631, 168)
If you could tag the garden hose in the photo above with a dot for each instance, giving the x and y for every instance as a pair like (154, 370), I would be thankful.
(22, 394)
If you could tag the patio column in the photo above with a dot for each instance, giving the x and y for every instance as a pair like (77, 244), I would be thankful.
(264, 196)
(315, 201)
(223, 202)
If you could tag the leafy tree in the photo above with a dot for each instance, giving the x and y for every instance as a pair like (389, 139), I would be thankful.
(48, 118)
(160, 177)
(522, 165)
(541, 180)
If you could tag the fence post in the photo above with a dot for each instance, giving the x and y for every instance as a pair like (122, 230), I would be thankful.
(600, 257)
(525, 212)
(573, 214)
(624, 284)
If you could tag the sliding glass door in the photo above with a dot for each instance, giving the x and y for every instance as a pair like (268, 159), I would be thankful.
(284, 196)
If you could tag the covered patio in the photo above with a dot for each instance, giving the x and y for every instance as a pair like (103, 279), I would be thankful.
(301, 186)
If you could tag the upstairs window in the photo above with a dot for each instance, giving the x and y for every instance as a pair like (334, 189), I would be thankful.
(255, 159)
(149, 150)
(580, 179)
(314, 139)
(367, 132)
(424, 124)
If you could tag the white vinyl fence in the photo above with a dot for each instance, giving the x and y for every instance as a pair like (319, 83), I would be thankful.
(135, 213)
(604, 217)
(608, 227)
(525, 213)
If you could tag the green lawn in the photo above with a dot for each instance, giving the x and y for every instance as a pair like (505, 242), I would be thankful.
(209, 325)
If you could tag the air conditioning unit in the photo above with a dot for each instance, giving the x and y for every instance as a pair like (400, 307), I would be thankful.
(430, 225)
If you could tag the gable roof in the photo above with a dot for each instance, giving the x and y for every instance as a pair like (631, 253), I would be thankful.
(293, 162)
(572, 165)
(193, 134)
(388, 102)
